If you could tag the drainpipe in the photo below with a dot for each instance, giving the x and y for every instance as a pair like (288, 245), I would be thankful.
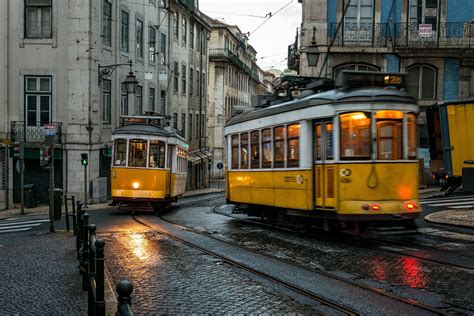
(89, 126)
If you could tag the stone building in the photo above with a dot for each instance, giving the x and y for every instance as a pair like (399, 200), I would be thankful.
(63, 66)
(431, 40)
(234, 78)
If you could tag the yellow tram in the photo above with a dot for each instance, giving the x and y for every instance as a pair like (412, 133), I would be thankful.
(149, 165)
(343, 153)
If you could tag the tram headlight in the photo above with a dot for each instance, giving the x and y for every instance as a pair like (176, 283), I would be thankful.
(135, 185)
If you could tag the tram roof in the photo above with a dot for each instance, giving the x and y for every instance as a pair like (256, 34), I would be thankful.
(331, 97)
(143, 129)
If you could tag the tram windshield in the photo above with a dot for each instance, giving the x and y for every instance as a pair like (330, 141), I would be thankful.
(355, 136)
(389, 135)
(137, 153)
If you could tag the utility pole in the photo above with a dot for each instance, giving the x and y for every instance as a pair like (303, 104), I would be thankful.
(50, 140)
(85, 162)
(22, 175)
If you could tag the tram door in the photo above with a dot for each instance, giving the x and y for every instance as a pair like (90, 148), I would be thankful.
(324, 167)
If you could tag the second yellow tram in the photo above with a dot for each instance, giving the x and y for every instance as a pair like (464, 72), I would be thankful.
(346, 156)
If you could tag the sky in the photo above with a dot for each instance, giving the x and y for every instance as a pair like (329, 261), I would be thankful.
(270, 39)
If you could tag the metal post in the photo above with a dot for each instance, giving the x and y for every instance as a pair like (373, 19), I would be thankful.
(85, 251)
(99, 278)
(74, 228)
(51, 191)
(124, 288)
(91, 269)
(85, 188)
(22, 173)
(66, 212)
(80, 221)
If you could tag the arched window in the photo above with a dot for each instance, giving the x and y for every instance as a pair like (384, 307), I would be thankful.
(422, 81)
(355, 66)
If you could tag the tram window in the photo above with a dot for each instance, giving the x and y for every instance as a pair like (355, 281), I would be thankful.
(293, 143)
(157, 154)
(137, 153)
(389, 135)
(267, 148)
(412, 137)
(235, 151)
(329, 142)
(279, 146)
(255, 149)
(355, 136)
(244, 150)
(120, 155)
(317, 137)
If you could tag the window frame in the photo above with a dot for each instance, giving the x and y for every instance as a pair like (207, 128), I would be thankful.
(107, 23)
(124, 31)
(293, 163)
(38, 7)
(235, 145)
(183, 78)
(421, 80)
(139, 38)
(151, 98)
(139, 98)
(151, 45)
(342, 143)
(106, 102)
(123, 100)
(255, 162)
(282, 163)
(115, 153)
(38, 95)
(131, 152)
(267, 164)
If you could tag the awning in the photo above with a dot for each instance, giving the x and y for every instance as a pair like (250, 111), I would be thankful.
(200, 155)
(193, 158)
(206, 153)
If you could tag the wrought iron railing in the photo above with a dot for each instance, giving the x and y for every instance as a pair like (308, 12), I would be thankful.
(225, 53)
(402, 35)
(35, 133)
(293, 57)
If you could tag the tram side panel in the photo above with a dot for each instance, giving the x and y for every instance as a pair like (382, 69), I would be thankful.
(284, 189)
(152, 184)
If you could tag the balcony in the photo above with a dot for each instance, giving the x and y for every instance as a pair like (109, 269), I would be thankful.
(449, 35)
(34, 133)
(224, 54)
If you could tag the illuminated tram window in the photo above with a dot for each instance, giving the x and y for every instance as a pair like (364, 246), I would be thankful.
(244, 151)
(279, 146)
(266, 148)
(255, 149)
(412, 136)
(120, 154)
(235, 151)
(157, 154)
(389, 135)
(293, 141)
(137, 153)
(355, 136)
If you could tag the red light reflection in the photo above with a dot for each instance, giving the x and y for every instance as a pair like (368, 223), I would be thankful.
(377, 268)
(413, 276)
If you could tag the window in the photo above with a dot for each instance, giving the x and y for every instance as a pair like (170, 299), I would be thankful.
(267, 148)
(38, 100)
(183, 79)
(184, 30)
(355, 136)
(124, 101)
(197, 126)
(198, 38)
(255, 149)
(191, 35)
(137, 153)
(190, 126)
(197, 83)
(279, 147)
(107, 23)
(235, 151)
(424, 12)
(191, 81)
(151, 44)
(157, 154)
(139, 107)
(139, 38)
(163, 48)
(204, 85)
(244, 151)
(421, 82)
(412, 136)
(38, 16)
(163, 101)
(183, 125)
(176, 25)
(175, 77)
(358, 22)
(175, 121)
(389, 135)
(151, 100)
(357, 67)
(106, 101)
(120, 152)
(293, 142)
(124, 31)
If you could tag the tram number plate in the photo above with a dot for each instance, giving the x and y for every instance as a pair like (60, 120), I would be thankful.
(346, 180)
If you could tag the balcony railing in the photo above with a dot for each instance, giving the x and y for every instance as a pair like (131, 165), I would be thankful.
(227, 54)
(403, 35)
(34, 133)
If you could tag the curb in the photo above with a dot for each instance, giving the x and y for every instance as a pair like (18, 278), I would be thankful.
(449, 217)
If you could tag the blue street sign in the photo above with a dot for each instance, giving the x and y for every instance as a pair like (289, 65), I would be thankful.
(220, 165)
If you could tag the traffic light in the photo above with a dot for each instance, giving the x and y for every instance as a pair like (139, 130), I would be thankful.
(16, 149)
(84, 159)
(45, 155)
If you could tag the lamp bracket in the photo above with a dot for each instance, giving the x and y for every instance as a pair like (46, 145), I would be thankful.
(106, 71)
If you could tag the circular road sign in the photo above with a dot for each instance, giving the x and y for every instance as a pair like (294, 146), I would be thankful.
(220, 165)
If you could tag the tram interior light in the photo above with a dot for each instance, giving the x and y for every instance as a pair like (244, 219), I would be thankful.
(358, 116)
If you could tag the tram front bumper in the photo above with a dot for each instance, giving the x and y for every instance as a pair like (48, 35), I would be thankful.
(141, 195)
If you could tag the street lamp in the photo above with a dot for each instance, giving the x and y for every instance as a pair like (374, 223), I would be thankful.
(130, 82)
(311, 53)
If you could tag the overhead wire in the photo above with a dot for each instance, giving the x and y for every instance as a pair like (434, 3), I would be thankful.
(269, 16)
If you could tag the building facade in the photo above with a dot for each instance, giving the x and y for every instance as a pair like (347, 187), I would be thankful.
(431, 40)
(234, 78)
(63, 65)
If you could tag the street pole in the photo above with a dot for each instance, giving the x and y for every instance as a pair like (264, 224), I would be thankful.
(22, 176)
(85, 187)
(51, 191)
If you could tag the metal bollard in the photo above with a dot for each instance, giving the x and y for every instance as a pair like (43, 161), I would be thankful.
(74, 228)
(124, 307)
(79, 236)
(84, 262)
(90, 268)
(99, 278)
(66, 213)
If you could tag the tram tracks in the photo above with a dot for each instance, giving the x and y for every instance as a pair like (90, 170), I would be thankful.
(422, 308)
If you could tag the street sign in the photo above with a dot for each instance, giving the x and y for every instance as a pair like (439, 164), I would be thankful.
(20, 166)
(49, 130)
(220, 165)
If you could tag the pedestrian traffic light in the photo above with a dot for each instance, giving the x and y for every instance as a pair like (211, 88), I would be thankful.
(84, 159)
(45, 155)
(16, 149)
